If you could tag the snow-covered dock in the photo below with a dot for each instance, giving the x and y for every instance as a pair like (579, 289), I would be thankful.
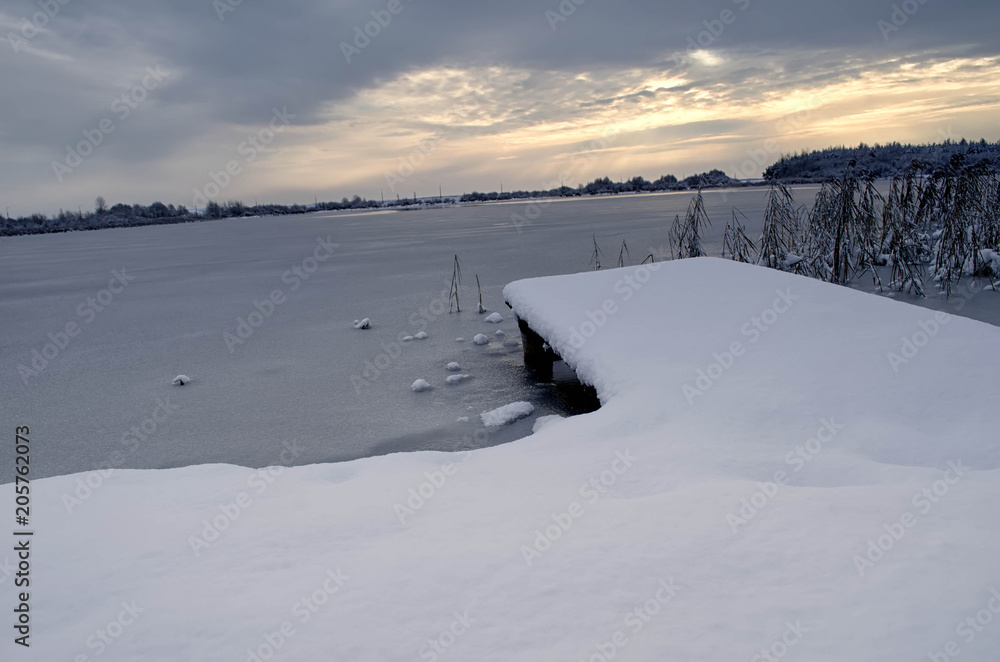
(781, 469)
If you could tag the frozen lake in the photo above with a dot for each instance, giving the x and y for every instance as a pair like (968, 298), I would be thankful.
(147, 304)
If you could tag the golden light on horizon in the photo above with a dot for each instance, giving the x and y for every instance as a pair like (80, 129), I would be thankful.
(441, 120)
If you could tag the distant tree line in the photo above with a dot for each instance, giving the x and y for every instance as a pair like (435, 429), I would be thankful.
(882, 161)
(605, 186)
(879, 161)
(124, 216)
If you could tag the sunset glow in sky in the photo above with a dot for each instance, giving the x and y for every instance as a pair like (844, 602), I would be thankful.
(466, 95)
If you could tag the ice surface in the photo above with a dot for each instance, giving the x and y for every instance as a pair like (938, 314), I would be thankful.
(304, 373)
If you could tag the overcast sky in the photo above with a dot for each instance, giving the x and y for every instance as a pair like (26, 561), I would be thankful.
(154, 96)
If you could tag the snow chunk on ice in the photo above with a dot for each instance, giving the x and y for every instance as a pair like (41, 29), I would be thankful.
(545, 421)
(454, 367)
(181, 380)
(463, 419)
(495, 318)
(506, 414)
(363, 324)
(459, 339)
(407, 338)
(420, 386)
(421, 336)
(455, 379)
(500, 333)
(990, 262)
(481, 339)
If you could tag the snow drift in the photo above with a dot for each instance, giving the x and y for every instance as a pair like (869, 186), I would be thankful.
(780, 467)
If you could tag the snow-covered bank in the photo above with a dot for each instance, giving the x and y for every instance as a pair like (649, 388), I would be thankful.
(779, 464)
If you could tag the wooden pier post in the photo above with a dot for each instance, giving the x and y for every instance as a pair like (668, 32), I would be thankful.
(538, 355)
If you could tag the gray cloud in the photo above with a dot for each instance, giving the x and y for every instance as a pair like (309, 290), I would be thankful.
(227, 75)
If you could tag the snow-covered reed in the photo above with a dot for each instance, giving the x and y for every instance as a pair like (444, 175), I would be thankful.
(943, 224)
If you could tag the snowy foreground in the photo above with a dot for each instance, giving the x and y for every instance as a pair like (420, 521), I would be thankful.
(782, 469)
